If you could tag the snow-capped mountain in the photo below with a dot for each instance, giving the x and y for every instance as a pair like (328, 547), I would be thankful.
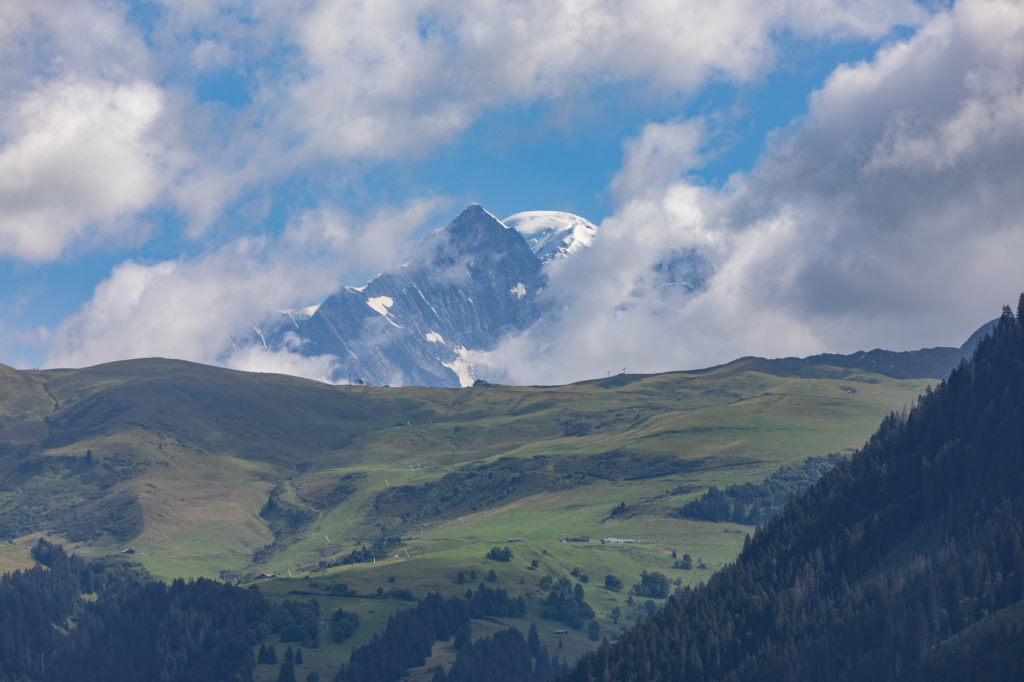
(466, 286)
(553, 234)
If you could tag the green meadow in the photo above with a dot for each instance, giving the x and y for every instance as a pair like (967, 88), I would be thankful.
(201, 471)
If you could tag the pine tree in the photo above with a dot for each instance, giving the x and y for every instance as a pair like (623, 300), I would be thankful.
(287, 673)
(533, 641)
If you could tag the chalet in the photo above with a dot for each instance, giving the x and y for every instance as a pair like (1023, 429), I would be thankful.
(517, 539)
(579, 538)
(617, 541)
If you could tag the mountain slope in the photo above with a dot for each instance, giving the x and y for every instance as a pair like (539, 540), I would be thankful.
(183, 461)
(875, 571)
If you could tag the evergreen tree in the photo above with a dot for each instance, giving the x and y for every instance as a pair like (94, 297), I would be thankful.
(287, 673)
(533, 641)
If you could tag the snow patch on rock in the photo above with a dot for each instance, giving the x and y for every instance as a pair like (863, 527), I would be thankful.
(462, 367)
(381, 304)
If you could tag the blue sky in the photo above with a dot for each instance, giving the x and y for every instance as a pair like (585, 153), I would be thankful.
(176, 171)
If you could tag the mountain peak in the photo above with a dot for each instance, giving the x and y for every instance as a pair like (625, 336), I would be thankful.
(464, 288)
(553, 234)
(475, 212)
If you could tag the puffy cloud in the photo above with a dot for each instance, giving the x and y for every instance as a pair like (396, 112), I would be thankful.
(195, 308)
(889, 215)
(256, 358)
(658, 156)
(80, 156)
(84, 140)
(382, 80)
(337, 82)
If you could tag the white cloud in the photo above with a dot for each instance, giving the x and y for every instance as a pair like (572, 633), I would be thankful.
(889, 215)
(384, 79)
(79, 156)
(340, 82)
(86, 142)
(254, 358)
(658, 156)
(194, 308)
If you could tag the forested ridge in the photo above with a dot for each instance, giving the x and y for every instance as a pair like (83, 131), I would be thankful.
(900, 564)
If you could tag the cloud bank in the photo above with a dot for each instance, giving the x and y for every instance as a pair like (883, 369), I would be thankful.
(106, 109)
(889, 214)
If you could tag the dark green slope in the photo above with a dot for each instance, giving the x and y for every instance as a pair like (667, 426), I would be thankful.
(904, 562)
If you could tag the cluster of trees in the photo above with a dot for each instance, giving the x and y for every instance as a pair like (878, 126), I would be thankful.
(133, 628)
(201, 630)
(406, 641)
(291, 659)
(754, 504)
(410, 635)
(612, 582)
(506, 656)
(503, 554)
(487, 602)
(378, 549)
(343, 625)
(654, 585)
(30, 603)
(295, 621)
(898, 565)
(565, 602)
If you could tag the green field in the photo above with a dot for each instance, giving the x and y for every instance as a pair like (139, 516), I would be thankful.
(197, 468)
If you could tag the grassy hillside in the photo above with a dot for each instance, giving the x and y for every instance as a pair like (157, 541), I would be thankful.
(206, 471)
(177, 460)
